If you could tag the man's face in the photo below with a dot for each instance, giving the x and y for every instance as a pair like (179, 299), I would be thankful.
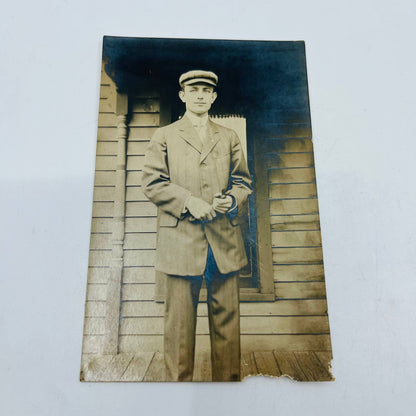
(198, 98)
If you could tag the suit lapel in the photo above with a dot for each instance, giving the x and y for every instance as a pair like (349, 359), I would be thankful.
(213, 136)
(189, 134)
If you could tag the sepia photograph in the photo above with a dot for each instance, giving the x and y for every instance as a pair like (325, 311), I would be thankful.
(205, 254)
(207, 208)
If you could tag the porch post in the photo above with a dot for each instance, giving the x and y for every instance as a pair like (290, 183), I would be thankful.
(113, 299)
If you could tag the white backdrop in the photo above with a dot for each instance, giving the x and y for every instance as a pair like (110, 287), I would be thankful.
(361, 67)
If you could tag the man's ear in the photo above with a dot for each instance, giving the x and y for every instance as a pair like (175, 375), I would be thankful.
(214, 97)
(182, 95)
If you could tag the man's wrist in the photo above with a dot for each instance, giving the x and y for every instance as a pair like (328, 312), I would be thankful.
(185, 205)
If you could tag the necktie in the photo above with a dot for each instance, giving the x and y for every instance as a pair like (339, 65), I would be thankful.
(200, 128)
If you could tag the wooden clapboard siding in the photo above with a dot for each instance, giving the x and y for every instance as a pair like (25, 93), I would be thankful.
(250, 325)
(294, 222)
(296, 238)
(143, 343)
(137, 148)
(141, 226)
(296, 321)
(296, 272)
(281, 307)
(135, 194)
(102, 214)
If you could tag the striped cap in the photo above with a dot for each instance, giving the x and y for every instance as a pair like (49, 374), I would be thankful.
(195, 76)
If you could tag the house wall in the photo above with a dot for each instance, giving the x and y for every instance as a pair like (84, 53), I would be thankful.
(296, 321)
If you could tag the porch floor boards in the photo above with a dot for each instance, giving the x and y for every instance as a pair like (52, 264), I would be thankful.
(149, 366)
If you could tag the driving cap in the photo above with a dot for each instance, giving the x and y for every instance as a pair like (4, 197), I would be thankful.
(193, 77)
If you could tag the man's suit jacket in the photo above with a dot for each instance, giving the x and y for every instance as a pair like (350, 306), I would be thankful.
(178, 165)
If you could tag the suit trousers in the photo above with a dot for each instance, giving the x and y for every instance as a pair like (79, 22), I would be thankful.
(182, 295)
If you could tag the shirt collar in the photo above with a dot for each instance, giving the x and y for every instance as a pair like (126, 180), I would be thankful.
(197, 121)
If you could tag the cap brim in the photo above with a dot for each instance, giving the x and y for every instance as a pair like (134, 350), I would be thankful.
(199, 81)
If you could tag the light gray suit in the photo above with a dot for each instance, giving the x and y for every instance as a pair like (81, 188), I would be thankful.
(176, 166)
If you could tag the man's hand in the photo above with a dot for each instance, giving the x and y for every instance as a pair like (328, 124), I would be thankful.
(222, 203)
(200, 210)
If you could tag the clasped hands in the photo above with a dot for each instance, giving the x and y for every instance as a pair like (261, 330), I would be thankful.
(202, 211)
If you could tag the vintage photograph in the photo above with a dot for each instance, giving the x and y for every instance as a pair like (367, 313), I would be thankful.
(206, 256)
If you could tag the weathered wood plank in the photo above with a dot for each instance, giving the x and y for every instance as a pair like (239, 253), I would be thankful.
(202, 369)
(134, 343)
(94, 326)
(94, 309)
(141, 133)
(140, 240)
(106, 90)
(296, 238)
(294, 206)
(106, 105)
(107, 120)
(295, 175)
(249, 325)
(134, 178)
(296, 190)
(280, 307)
(156, 370)
(104, 178)
(93, 368)
(297, 255)
(96, 292)
(289, 160)
(98, 274)
(105, 79)
(116, 367)
(139, 275)
(290, 145)
(105, 162)
(99, 258)
(293, 273)
(139, 257)
(135, 194)
(135, 162)
(312, 367)
(140, 209)
(325, 358)
(266, 363)
(248, 365)
(300, 290)
(102, 209)
(101, 225)
(295, 222)
(146, 105)
(144, 120)
(137, 148)
(137, 367)
(100, 241)
(143, 291)
(107, 148)
(92, 344)
(141, 224)
(103, 194)
(289, 366)
(106, 134)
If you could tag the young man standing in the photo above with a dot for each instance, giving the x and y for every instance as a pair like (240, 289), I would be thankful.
(196, 174)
